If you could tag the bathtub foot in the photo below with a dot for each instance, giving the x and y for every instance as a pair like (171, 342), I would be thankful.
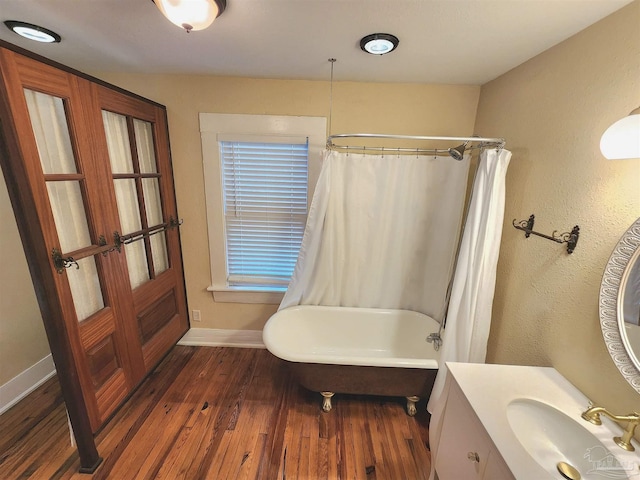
(411, 405)
(326, 401)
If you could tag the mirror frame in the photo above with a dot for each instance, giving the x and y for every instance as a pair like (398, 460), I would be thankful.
(613, 280)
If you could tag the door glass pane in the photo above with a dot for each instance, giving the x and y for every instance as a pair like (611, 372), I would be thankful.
(152, 203)
(127, 200)
(85, 288)
(144, 145)
(115, 128)
(69, 215)
(137, 263)
(159, 252)
(49, 124)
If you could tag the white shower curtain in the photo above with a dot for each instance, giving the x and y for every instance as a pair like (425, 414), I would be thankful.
(381, 232)
(469, 313)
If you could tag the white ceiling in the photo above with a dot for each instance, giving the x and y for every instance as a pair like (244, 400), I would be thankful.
(441, 41)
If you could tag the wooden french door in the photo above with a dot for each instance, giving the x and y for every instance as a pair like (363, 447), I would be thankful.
(136, 139)
(92, 175)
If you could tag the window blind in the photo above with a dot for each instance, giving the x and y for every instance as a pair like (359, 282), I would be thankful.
(265, 210)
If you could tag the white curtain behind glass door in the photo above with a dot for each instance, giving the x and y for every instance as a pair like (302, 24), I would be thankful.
(151, 190)
(115, 127)
(49, 123)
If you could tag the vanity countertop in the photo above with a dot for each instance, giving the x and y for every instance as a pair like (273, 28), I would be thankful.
(490, 388)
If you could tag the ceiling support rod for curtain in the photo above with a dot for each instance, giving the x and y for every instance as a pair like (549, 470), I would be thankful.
(415, 137)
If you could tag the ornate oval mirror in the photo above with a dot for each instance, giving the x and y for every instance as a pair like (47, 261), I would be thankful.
(620, 305)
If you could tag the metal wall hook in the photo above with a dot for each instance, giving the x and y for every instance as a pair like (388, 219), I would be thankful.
(117, 241)
(570, 238)
(60, 263)
(173, 223)
(102, 242)
(525, 225)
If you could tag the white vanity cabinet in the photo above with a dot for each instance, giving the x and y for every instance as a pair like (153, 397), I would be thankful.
(466, 450)
(474, 437)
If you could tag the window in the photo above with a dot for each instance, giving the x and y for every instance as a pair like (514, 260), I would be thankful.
(264, 188)
(259, 175)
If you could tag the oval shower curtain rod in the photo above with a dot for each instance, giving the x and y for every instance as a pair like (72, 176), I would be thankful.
(482, 142)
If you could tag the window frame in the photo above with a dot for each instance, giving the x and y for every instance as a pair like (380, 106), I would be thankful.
(275, 127)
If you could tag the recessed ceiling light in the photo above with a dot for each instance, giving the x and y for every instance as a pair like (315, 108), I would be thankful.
(33, 32)
(379, 43)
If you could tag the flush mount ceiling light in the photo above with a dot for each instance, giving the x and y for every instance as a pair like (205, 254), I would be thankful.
(379, 43)
(191, 14)
(33, 32)
(622, 139)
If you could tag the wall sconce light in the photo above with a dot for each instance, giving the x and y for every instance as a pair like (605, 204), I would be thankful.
(379, 43)
(622, 139)
(191, 14)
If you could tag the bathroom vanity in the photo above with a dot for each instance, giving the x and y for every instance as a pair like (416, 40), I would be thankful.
(504, 422)
(466, 450)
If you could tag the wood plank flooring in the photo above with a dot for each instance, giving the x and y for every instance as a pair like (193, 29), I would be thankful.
(218, 414)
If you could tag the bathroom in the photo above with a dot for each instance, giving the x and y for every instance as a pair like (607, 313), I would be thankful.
(551, 109)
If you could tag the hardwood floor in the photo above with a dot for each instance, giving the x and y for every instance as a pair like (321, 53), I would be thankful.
(218, 414)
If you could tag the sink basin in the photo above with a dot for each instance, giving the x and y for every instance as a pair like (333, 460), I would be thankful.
(549, 436)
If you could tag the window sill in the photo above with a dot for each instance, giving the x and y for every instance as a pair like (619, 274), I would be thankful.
(224, 294)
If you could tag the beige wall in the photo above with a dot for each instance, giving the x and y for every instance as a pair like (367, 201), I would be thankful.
(357, 107)
(552, 110)
(22, 338)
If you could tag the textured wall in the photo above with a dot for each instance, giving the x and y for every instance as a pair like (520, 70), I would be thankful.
(357, 107)
(552, 110)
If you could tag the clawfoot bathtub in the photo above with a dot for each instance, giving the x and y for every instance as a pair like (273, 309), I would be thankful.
(356, 350)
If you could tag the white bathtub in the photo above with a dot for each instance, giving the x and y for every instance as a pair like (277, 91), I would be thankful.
(356, 350)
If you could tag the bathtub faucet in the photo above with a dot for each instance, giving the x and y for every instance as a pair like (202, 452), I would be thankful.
(436, 339)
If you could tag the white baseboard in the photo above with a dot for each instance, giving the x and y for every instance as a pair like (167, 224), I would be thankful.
(215, 337)
(26, 382)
